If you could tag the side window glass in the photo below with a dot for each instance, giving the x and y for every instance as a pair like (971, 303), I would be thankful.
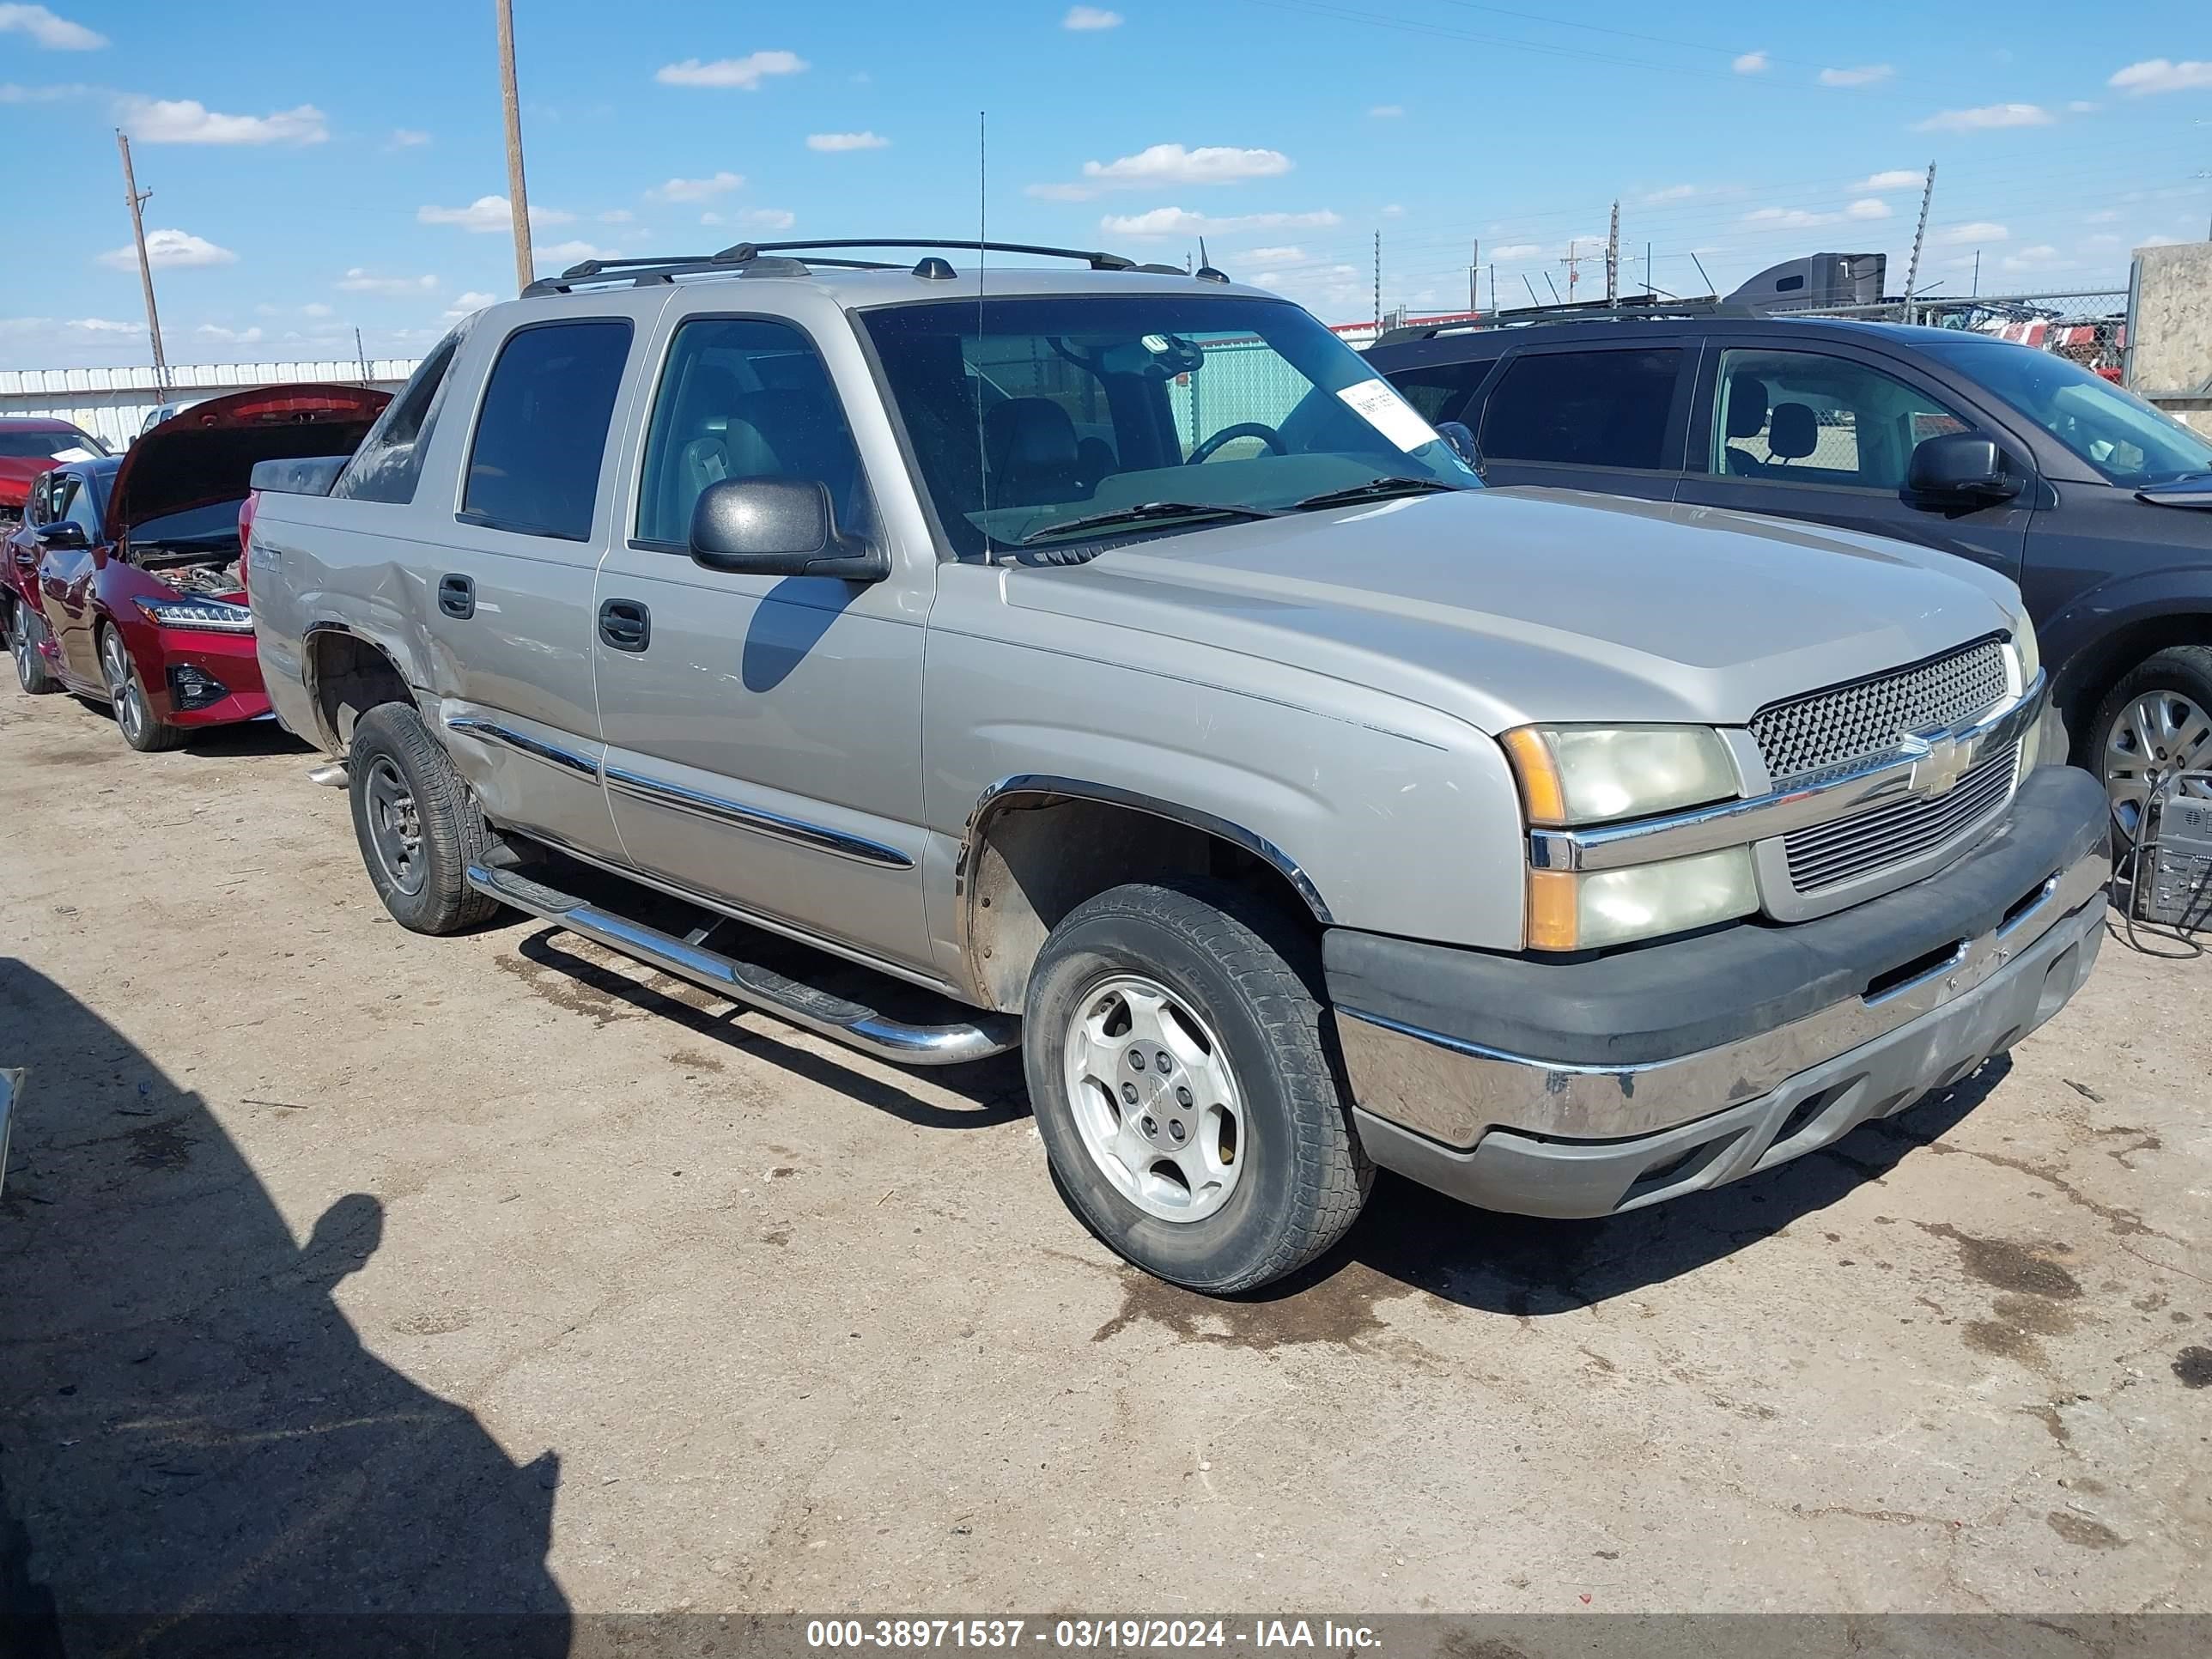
(389, 462)
(534, 464)
(1440, 391)
(744, 398)
(1806, 417)
(1596, 408)
(76, 506)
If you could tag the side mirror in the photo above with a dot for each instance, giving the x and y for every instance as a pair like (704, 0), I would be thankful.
(1961, 468)
(63, 533)
(1461, 436)
(779, 527)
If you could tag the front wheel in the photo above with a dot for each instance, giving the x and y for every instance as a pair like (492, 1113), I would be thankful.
(1176, 1057)
(141, 728)
(2152, 734)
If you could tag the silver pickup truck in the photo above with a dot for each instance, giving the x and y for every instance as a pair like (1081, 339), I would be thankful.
(1109, 652)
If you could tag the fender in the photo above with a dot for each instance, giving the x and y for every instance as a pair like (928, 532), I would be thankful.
(2075, 637)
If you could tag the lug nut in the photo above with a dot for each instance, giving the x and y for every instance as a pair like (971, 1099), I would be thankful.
(1137, 1059)
(1166, 1064)
(1150, 1128)
(1129, 1093)
(1183, 1096)
(1174, 1131)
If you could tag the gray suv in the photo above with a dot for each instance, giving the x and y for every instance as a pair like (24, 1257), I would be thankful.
(1111, 653)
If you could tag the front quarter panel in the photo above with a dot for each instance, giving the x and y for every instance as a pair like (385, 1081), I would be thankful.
(1404, 820)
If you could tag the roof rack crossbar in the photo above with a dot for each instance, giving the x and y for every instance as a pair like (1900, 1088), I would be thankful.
(740, 251)
(662, 268)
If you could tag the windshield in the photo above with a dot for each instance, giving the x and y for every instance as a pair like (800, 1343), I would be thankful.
(1025, 415)
(2115, 431)
(17, 446)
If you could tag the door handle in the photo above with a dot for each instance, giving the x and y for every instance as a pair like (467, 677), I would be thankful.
(625, 624)
(457, 596)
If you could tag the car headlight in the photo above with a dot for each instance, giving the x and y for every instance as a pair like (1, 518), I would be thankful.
(2027, 650)
(209, 615)
(1585, 909)
(1572, 775)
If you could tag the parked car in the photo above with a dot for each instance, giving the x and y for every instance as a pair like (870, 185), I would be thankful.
(28, 446)
(1113, 654)
(2029, 464)
(124, 583)
(167, 411)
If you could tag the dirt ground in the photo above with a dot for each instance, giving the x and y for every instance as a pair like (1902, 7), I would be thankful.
(344, 1267)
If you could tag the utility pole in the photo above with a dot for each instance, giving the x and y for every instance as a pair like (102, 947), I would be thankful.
(1573, 262)
(1977, 270)
(1919, 236)
(1474, 276)
(1378, 284)
(1613, 258)
(518, 194)
(145, 266)
(1647, 270)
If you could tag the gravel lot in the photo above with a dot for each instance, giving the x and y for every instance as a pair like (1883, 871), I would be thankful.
(342, 1268)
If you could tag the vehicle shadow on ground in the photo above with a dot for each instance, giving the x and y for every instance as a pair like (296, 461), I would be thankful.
(1529, 1266)
(253, 739)
(200, 1455)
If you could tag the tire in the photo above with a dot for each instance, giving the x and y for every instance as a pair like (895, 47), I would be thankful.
(134, 718)
(24, 629)
(418, 826)
(2173, 687)
(1248, 979)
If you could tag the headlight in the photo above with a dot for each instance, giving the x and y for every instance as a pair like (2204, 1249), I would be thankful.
(2029, 652)
(1594, 774)
(209, 615)
(1582, 910)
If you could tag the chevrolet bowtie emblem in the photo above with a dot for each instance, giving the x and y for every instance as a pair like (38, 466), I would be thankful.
(1937, 763)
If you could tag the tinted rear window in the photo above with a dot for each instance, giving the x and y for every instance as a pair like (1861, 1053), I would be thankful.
(1597, 408)
(534, 466)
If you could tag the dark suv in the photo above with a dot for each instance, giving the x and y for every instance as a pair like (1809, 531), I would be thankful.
(2091, 499)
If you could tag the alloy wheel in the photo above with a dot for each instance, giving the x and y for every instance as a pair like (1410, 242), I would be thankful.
(1155, 1100)
(2157, 735)
(130, 711)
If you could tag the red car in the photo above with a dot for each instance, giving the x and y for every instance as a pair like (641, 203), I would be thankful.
(28, 446)
(124, 582)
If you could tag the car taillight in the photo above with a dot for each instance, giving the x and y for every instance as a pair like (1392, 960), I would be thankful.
(246, 511)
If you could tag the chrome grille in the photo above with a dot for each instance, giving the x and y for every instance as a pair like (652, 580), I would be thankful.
(1830, 854)
(1851, 721)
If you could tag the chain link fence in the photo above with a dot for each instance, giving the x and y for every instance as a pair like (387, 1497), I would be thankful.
(2089, 326)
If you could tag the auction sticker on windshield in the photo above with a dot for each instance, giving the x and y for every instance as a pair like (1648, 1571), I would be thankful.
(1390, 415)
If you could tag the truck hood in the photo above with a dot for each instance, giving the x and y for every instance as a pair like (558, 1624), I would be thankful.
(1503, 607)
(205, 455)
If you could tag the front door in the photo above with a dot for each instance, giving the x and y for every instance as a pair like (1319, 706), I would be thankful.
(65, 578)
(763, 735)
(1828, 435)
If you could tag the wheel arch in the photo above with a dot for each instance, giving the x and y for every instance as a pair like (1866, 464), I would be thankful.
(2147, 623)
(346, 674)
(1036, 846)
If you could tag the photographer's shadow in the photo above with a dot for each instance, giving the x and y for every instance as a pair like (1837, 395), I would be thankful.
(200, 1456)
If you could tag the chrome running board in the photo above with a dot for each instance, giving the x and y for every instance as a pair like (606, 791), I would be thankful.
(852, 1024)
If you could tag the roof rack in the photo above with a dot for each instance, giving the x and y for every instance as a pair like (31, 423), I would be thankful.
(1629, 308)
(764, 257)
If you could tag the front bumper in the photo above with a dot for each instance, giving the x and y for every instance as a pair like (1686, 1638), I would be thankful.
(1580, 1089)
(227, 658)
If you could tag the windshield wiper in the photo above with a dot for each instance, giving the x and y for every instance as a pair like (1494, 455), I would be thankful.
(1373, 489)
(1144, 512)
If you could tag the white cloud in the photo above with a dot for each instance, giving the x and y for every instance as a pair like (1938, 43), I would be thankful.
(1090, 17)
(490, 213)
(407, 138)
(695, 189)
(569, 253)
(1775, 218)
(2081, 106)
(11, 93)
(54, 34)
(2160, 74)
(1168, 166)
(1517, 251)
(1277, 256)
(169, 250)
(710, 217)
(1671, 193)
(471, 301)
(1180, 222)
(1750, 62)
(2041, 256)
(844, 141)
(766, 219)
(617, 216)
(314, 309)
(2104, 216)
(1894, 179)
(1393, 210)
(1987, 116)
(359, 280)
(1387, 112)
(745, 73)
(1979, 230)
(229, 335)
(188, 121)
(103, 326)
(1866, 75)
(1339, 290)
(1868, 207)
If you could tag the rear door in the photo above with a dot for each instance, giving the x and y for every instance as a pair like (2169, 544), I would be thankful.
(65, 576)
(1826, 433)
(1607, 417)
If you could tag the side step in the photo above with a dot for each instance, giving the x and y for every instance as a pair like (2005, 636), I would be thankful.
(848, 1023)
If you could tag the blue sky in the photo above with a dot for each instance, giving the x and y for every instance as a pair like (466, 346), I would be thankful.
(313, 174)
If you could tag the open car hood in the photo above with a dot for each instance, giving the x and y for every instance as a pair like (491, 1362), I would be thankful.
(206, 455)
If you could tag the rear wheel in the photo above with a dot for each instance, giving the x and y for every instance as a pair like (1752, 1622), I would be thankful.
(2152, 735)
(25, 630)
(141, 728)
(1173, 1047)
(418, 826)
